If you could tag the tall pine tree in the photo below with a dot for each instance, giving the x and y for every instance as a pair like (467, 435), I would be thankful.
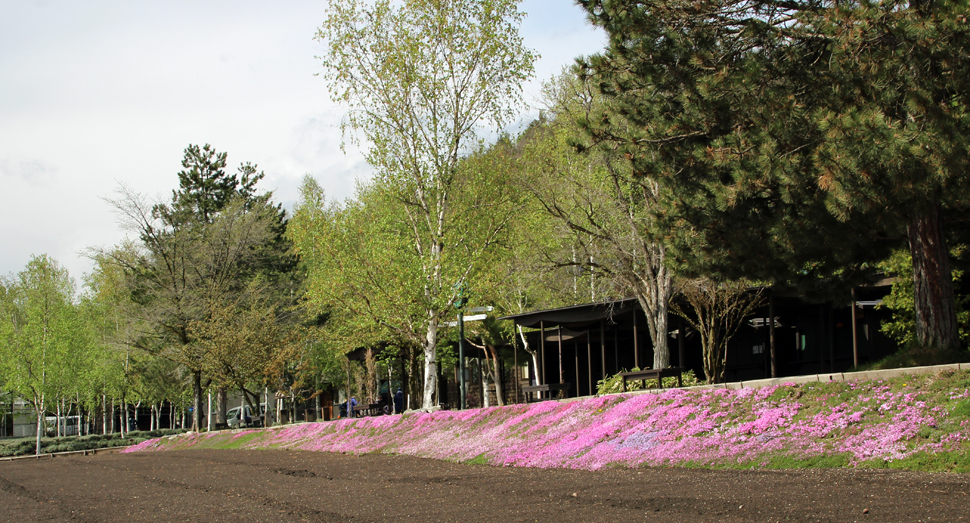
(796, 138)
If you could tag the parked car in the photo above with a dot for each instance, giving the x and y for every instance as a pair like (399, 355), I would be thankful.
(243, 417)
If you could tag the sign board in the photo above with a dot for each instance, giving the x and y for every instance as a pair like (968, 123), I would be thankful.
(476, 317)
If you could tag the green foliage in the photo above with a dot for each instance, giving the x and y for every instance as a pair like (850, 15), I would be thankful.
(43, 342)
(602, 214)
(939, 461)
(204, 187)
(481, 459)
(717, 311)
(420, 79)
(902, 327)
(914, 356)
(962, 409)
(210, 265)
(25, 446)
(817, 462)
(614, 384)
(791, 156)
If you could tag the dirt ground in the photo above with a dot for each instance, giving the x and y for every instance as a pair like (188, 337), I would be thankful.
(239, 486)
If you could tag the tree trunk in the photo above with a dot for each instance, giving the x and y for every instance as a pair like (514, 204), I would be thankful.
(196, 401)
(653, 295)
(124, 417)
(936, 319)
(483, 379)
(268, 420)
(497, 376)
(528, 350)
(221, 401)
(39, 407)
(430, 365)
(414, 384)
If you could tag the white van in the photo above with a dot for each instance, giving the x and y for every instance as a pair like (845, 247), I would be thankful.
(234, 420)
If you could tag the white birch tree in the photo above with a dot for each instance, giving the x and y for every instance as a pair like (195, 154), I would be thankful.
(421, 79)
(37, 333)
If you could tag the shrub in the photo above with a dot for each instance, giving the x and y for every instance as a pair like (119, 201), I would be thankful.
(27, 446)
(614, 384)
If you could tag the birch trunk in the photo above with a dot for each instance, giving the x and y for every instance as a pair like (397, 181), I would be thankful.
(654, 291)
(39, 407)
(535, 357)
(430, 365)
(59, 417)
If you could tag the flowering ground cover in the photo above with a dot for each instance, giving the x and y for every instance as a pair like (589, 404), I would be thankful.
(915, 422)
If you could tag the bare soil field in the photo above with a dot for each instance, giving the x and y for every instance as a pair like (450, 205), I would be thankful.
(241, 486)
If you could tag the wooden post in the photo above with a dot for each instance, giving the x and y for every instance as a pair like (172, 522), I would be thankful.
(616, 348)
(603, 345)
(831, 337)
(681, 335)
(542, 352)
(589, 361)
(855, 335)
(576, 348)
(636, 339)
(562, 373)
(515, 356)
(771, 334)
(821, 336)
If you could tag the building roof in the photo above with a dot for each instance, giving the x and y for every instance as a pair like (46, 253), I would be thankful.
(575, 315)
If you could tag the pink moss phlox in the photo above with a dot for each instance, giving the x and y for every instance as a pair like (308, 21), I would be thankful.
(673, 427)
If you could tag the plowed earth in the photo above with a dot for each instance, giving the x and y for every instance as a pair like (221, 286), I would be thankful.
(240, 486)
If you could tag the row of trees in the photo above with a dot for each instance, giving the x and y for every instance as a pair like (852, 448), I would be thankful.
(796, 141)
(60, 350)
(210, 285)
(204, 296)
(711, 144)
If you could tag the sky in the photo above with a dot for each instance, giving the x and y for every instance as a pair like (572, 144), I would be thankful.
(100, 94)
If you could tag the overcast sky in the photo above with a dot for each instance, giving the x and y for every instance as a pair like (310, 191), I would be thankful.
(94, 94)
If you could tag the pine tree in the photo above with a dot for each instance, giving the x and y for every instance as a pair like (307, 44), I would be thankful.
(797, 138)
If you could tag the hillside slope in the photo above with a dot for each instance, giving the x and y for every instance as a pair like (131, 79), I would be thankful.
(914, 422)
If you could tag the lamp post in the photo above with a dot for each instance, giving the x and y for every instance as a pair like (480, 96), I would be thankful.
(461, 299)
(461, 358)
(461, 345)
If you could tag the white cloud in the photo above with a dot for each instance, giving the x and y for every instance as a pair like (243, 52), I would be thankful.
(100, 92)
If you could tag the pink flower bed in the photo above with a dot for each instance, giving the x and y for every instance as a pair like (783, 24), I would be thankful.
(676, 427)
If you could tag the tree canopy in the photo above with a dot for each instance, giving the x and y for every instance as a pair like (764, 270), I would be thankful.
(795, 138)
(421, 78)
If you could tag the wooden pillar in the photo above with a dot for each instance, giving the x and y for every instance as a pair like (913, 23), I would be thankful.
(636, 341)
(855, 335)
(821, 336)
(616, 348)
(515, 357)
(603, 345)
(589, 361)
(562, 374)
(831, 326)
(576, 348)
(542, 353)
(771, 334)
(681, 336)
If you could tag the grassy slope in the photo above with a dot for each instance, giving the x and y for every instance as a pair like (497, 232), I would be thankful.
(27, 446)
(911, 422)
